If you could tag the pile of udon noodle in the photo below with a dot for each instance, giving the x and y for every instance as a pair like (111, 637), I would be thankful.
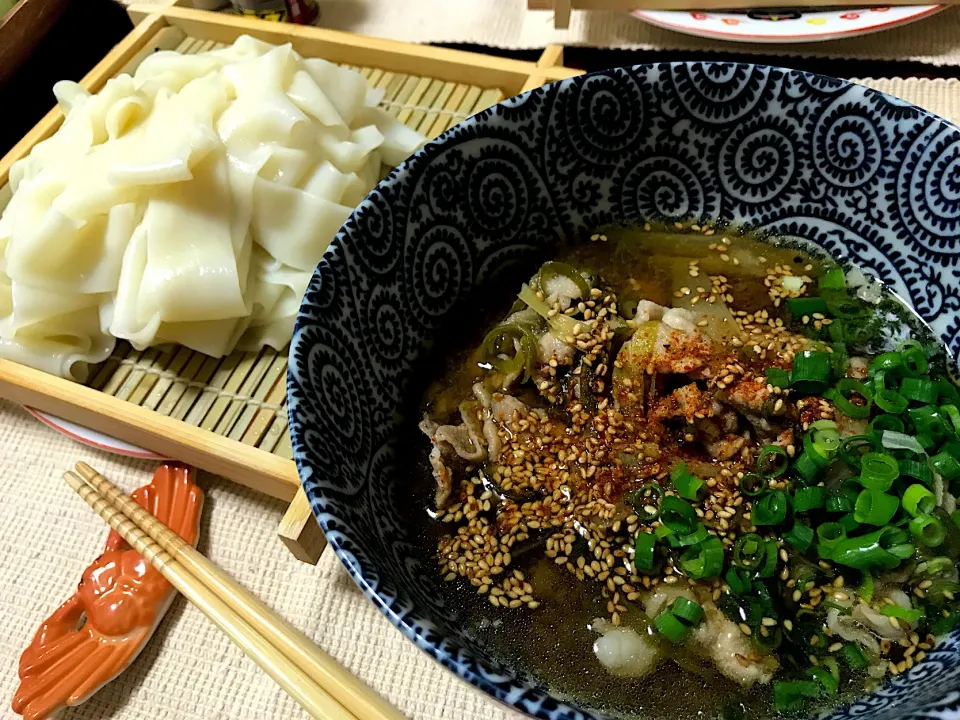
(189, 203)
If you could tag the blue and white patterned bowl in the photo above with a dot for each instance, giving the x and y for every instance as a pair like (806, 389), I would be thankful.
(862, 174)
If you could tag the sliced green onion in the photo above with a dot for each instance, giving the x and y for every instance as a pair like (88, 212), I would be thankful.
(645, 502)
(946, 466)
(843, 306)
(704, 560)
(739, 580)
(778, 377)
(844, 390)
(839, 358)
(952, 447)
(826, 438)
(833, 279)
(890, 401)
(748, 551)
(854, 656)
(840, 503)
(826, 679)
(752, 484)
(678, 515)
(838, 331)
(875, 507)
(511, 348)
(800, 536)
(697, 536)
(915, 361)
(935, 567)
(666, 534)
(790, 695)
(799, 307)
(770, 557)
(829, 536)
(889, 363)
(940, 591)
(946, 625)
(866, 587)
(808, 466)
(928, 531)
(927, 421)
(919, 389)
(917, 500)
(849, 522)
(917, 470)
(853, 448)
(900, 441)
(911, 615)
(687, 611)
(843, 498)
(879, 550)
(821, 452)
(688, 486)
(772, 461)
(811, 371)
(885, 422)
(644, 546)
(946, 390)
(670, 627)
(878, 471)
(769, 508)
(951, 412)
(809, 498)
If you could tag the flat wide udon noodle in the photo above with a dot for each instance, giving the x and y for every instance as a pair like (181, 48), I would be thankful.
(188, 203)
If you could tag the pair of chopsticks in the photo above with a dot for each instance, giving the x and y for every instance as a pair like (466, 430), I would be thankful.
(321, 686)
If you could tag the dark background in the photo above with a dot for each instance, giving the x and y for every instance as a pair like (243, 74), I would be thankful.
(86, 30)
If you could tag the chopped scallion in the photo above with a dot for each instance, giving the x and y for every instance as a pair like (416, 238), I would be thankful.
(772, 461)
(919, 390)
(878, 471)
(918, 500)
(703, 560)
(848, 388)
(809, 498)
(875, 507)
(688, 486)
(800, 536)
(678, 515)
(770, 508)
(644, 547)
(928, 531)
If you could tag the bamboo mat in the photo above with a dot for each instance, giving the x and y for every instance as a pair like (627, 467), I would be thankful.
(190, 671)
(508, 24)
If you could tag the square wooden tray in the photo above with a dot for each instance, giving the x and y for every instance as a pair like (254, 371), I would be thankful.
(228, 415)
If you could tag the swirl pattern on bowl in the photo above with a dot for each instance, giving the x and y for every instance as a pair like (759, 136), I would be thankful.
(865, 176)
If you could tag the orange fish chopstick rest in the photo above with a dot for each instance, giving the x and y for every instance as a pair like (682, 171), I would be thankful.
(119, 602)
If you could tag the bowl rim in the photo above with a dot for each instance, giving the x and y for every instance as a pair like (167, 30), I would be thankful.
(533, 691)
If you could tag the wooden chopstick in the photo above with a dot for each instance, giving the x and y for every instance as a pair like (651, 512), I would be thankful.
(326, 672)
(310, 696)
(313, 678)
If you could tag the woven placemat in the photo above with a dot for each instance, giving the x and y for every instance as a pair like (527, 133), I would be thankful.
(190, 671)
(508, 24)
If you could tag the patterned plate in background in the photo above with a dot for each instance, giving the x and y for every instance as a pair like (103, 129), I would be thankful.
(786, 25)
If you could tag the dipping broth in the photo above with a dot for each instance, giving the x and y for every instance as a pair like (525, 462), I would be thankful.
(690, 473)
